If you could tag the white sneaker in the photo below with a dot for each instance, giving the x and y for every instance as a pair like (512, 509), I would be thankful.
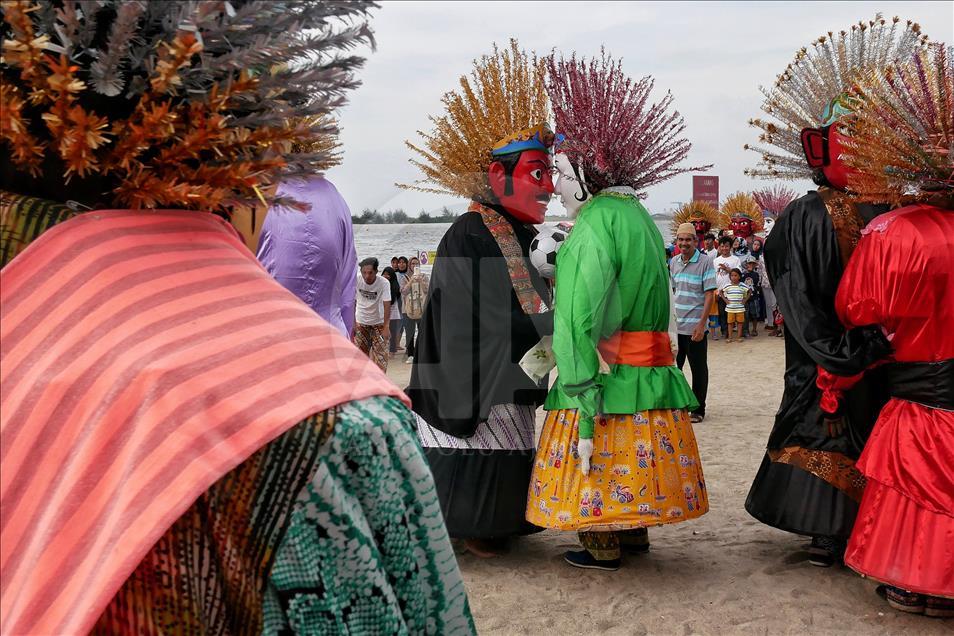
(409, 360)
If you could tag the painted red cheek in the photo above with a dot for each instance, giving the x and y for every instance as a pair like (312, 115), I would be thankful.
(837, 171)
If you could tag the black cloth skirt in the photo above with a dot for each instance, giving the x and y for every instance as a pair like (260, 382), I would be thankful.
(483, 493)
(788, 498)
(482, 480)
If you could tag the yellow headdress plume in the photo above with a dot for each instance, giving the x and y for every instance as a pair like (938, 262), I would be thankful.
(502, 102)
(695, 211)
(741, 204)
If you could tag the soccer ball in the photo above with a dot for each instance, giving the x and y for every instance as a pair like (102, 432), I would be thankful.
(543, 250)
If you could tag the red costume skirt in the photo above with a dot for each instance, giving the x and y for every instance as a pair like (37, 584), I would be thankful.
(904, 533)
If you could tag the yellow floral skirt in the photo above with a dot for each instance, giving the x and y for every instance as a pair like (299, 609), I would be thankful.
(645, 471)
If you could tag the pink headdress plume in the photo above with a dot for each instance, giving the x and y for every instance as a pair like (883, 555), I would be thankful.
(774, 200)
(611, 129)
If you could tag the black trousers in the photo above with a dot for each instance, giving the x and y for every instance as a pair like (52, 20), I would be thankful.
(410, 329)
(723, 320)
(395, 326)
(697, 353)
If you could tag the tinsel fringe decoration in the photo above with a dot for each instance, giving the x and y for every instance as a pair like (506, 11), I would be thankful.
(612, 130)
(774, 200)
(818, 74)
(695, 211)
(195, 104)
(504, 94)
(741, 204)
(901, 136)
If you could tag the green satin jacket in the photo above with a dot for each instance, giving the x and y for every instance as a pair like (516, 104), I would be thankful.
(611, 276)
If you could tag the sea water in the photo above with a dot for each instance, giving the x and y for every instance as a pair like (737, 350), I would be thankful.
(386, 240)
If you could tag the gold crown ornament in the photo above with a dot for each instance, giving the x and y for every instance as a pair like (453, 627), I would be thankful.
(695, 211)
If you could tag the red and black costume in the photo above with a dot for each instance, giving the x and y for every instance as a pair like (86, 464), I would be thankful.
(808, 482)
(900, 281)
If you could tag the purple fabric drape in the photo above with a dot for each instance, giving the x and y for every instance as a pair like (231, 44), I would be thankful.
(312, 253)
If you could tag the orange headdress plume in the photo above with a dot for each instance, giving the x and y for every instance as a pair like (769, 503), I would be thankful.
(195, 105)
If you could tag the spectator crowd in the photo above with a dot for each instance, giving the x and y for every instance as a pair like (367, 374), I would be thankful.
(720, 289)
(389, 306)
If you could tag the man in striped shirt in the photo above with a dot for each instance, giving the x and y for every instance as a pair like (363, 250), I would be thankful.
(694, 284)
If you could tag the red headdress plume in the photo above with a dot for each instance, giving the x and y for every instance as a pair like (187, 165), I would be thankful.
(611, 129)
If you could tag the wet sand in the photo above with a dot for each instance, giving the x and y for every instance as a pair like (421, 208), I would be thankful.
(724, 573)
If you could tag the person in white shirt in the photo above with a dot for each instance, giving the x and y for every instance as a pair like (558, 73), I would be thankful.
(373, 303)
(724, 263)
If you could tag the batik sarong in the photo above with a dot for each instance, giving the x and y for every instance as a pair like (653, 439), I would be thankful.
(367, 551)
(208, 572)
(645, 471)
(370, 339)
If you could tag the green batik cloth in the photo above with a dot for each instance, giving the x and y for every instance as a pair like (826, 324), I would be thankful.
(367, 551)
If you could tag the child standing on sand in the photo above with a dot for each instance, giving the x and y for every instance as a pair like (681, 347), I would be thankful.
(755, 305)
(734, 295)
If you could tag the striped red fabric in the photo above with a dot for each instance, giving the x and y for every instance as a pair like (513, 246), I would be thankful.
(143, 355)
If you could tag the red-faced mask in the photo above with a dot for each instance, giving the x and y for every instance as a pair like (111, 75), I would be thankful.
(823, 149)
(741, 226)
(531, 186)
(702, 228)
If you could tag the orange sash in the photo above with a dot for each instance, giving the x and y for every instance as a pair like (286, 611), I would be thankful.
(637, 349)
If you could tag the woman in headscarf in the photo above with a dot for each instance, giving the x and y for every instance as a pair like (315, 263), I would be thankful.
(394, 320)
(768, 296)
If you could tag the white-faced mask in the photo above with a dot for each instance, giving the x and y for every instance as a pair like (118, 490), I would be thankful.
(570, 189)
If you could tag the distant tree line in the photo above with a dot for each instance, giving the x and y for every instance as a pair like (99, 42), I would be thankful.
(368, 216)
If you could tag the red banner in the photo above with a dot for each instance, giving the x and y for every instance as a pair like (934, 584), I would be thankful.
(705, 188)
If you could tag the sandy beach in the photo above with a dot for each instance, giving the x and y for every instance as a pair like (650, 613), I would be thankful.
(725, 573)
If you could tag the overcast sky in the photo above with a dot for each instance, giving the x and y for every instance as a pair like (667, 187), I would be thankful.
(712, 56)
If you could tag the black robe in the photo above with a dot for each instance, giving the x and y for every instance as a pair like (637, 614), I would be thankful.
(804, 264)
(474, 332)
